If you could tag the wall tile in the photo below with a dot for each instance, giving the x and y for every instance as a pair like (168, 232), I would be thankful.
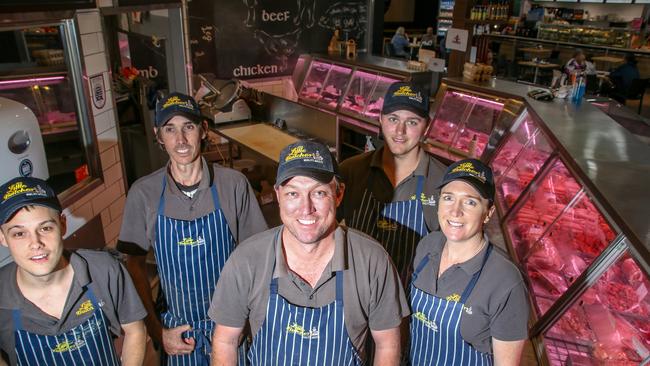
(108, 157)
(104, 199)
(117, 208)
(104, 120)
(107, 139)
(95, 63)
(89, 21)
(112, 174)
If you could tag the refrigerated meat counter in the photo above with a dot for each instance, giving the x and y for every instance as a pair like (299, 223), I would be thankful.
(353, 90)
(574, 209)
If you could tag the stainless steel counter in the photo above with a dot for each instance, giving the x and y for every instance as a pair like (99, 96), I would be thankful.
(571, 44)
(612, 163)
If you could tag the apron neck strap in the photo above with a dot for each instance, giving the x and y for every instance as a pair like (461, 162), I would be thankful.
(418, 269)
(420, 187)
(472, 282)
(161, 201)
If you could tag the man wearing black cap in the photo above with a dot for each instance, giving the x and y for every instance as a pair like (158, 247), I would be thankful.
(59, 307)
(192, 215)
(310, 290)
(391, 194)
(468, 299)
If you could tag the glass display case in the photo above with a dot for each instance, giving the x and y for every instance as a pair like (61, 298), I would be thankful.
(353, 87)
(462, 124)
(575, 33)
(519, 160)
(609, 324)
(584, 256)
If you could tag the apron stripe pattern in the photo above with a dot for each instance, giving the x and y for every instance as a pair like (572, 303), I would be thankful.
(190, 256)
(89, 343)
(398, 226)
(435, 326)
(294, 335)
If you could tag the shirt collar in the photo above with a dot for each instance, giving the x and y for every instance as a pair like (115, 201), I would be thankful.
(470, 266)
(206, 178)
(339, 259)
(421, 169)
(473, 265)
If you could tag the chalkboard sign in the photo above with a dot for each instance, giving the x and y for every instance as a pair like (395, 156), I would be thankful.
(15, 6)
(263, 38)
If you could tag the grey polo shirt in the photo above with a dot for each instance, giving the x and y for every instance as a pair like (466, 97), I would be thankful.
(109, 281)
(365, 171)
(373, 296)
(236, 198)
(498, 305)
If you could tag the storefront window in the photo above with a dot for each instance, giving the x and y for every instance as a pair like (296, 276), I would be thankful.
(35, 71)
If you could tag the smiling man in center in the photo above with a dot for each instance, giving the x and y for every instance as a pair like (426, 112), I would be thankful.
(310, 289)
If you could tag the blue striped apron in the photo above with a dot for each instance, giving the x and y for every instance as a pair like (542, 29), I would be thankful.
(190, 256)
(398, 226)
(435, 326)
(89, 343)
(295, 335)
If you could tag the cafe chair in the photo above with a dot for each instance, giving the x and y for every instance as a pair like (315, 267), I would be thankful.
(390, 50)
(635, 92)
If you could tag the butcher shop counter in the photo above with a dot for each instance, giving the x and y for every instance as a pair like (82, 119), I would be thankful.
(574, 209)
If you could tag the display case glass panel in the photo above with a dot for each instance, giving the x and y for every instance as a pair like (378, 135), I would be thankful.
(462, 125)
(609, 324)
(358, 94)
(313, 85)
(550, 196)
(518, 161)
(376, 99)
(335, 86)
(35, 73)
(565, 250)
(473, 135)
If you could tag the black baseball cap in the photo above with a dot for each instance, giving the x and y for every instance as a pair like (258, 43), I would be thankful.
(405, 96)
(307, 158)
(177, 104)
(25, 191)
(473, 172)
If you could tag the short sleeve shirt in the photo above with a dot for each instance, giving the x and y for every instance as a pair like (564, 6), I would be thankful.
(373, 296)
(498, 305)
(236, 198)
(365, 171)
(109, 281)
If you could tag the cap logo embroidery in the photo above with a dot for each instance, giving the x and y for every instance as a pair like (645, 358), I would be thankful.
(299, 152)
(468, 168)
(21, 188)
(406, 91)
(177, 101)
(85, 307)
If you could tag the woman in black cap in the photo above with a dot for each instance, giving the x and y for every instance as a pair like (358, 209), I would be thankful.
(468, 300)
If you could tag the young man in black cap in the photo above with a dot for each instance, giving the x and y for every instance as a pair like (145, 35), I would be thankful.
(192, 215)
(390, 191)
(59, 307)
(311, 290)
